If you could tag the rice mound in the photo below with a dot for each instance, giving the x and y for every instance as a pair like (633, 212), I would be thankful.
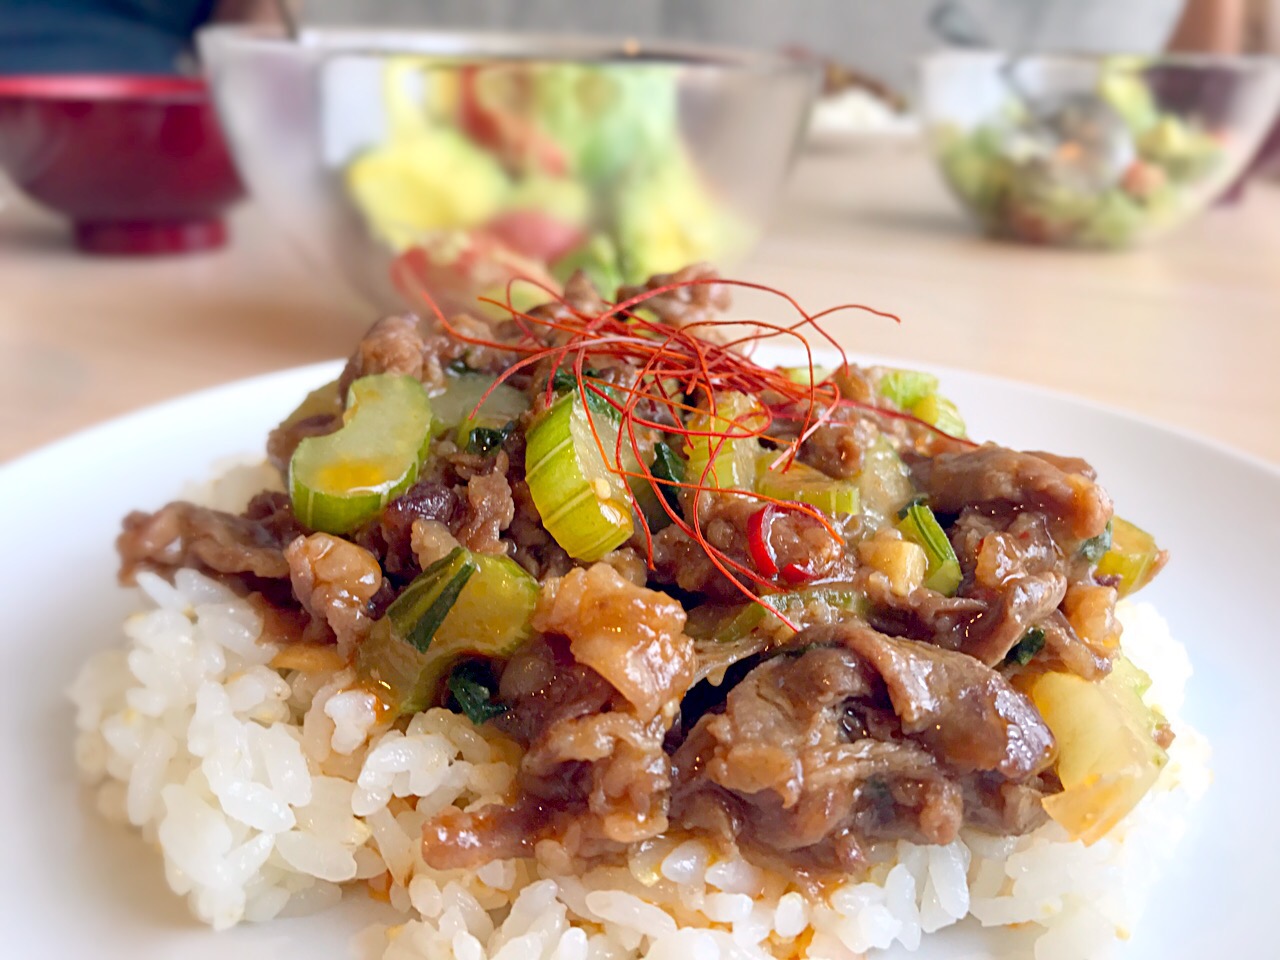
(266, 797)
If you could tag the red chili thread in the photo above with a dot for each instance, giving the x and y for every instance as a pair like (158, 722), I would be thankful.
(559, 334)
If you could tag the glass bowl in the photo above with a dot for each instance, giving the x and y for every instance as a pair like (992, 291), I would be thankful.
(502, 155)
(1090, 150)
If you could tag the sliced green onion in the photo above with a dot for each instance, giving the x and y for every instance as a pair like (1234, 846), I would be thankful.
(669, 469)
(801, 482)
(342, 479)
(583, 504)
(1095, 548)
(906, 388)
(473, 687)
(1024, 650)
(566, 380)
(1133, 557)
(941, 413)
(465, 604)
(731, 459)
(724, 622)
(486, 440)
(919, 525)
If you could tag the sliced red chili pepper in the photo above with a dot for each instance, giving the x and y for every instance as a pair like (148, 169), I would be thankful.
(759, 528)
(796, 573)
(760, 544)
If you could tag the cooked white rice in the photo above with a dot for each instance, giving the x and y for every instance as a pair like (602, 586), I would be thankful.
(266, 797)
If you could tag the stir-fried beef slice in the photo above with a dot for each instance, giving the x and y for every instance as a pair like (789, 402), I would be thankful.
(1021, 603)
(182, 534)
(1016, 579)
(791, 769)
(389, 536)
(463, 840)
(965, 713)
(1001, 806)
(1067, 464)
(922, 614)
(685, 305)
(1022, 576)
(993, 476)
(274, 511)
(616, 763)
(862, 736)
(399, 345)
(543, 685)
(544, 688)
(392, 345)
(335, 580)
(487, 512)
(795, 538)
(594, 711)
(836, 448)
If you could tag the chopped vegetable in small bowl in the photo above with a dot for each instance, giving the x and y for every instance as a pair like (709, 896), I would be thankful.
(1099, 152)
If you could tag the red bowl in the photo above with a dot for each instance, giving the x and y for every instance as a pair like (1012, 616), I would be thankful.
(137, 162)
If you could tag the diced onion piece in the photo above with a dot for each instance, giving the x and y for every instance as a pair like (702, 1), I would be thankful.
(801, 482)
(722, 443)
(583, 504)
(465, 604)
(340, 480)
(884, 484)
(1132, 557)
(904, 563)
(920, 525)
(1107, 754)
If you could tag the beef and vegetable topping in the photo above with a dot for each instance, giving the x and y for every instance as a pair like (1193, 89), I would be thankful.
(794, 611)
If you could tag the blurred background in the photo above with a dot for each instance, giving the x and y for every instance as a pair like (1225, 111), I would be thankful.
(278, 163)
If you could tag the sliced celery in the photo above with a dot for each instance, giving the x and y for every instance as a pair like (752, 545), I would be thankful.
(718, 454)
(320, 401)
(466, 604)
(1133, 557)
(647, 496)
(452, 409)
(808, 485)
(801, 375)
(340, 480)
(906, 388)
(941, 413)
(583, 504)
(918, 523)
(730, 622)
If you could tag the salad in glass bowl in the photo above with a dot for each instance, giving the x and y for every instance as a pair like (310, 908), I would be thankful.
(1089, 151)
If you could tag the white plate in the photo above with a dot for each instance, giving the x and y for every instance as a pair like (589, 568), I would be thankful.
(73, 887)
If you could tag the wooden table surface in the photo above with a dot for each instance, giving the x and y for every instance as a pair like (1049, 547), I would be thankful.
(1186, 331)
